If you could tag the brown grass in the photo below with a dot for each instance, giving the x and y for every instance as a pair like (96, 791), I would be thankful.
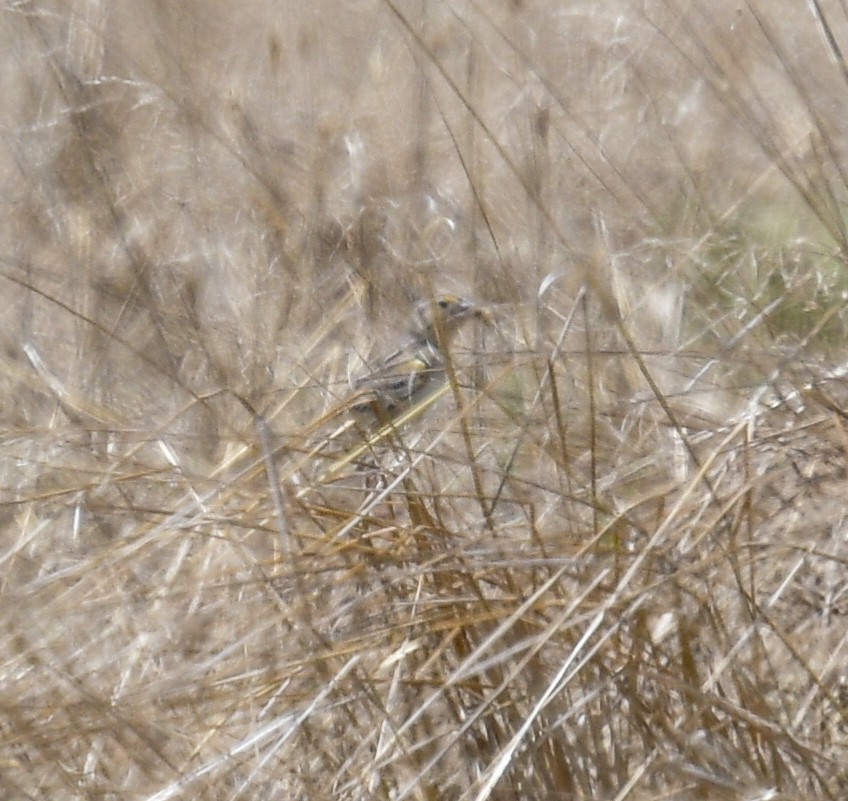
(608, 563)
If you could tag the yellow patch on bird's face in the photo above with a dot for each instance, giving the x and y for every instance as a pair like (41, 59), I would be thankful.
(445, 311)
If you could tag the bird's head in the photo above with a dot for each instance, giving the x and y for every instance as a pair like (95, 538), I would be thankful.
(440, 318)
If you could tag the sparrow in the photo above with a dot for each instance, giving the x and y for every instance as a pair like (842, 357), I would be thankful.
(410, 375)
(419, 365)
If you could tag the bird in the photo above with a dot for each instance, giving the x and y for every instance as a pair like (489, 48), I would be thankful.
(407, 377)
(418, 366)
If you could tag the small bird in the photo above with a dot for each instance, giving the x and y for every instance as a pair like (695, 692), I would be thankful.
(408, 374)
(411, 375)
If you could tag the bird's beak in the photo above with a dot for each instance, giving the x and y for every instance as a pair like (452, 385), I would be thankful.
(466, 308)
(469, 309)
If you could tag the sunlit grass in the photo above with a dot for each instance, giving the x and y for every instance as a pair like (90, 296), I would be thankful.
(607, 561)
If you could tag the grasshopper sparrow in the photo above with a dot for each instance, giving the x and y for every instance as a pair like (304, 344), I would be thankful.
(408, 374)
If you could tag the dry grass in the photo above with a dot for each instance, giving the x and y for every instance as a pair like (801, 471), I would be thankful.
(608, 563)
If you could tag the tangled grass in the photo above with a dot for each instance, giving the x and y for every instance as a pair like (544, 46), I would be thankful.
(607, 562)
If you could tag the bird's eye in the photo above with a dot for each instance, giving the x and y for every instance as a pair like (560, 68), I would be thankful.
(443, 303)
